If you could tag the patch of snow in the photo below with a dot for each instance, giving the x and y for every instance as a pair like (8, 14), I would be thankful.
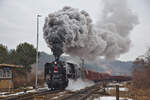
(44, 88)
(30, 91)
(3, 93)
(30, 87)
(123, 89)
(55, 97)
(18, 93)
(114, 84)
(120, 89)
(111, 98)
(62, 92)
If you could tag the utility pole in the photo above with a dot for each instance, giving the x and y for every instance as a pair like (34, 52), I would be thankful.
(117, 92)
(37, 57)
(82, 62)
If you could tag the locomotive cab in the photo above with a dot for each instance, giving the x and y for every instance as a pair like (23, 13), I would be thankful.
(72, 70)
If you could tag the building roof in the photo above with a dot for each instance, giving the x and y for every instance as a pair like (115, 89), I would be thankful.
(11, 65)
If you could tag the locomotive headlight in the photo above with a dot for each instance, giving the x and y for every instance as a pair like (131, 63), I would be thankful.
(55, 62)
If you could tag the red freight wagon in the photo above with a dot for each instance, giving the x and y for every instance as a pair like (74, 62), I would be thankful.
(120, 78)
(96, 76)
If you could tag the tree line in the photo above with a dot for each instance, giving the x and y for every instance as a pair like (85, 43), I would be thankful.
(141, 77)
(141, 72)
(24, 54)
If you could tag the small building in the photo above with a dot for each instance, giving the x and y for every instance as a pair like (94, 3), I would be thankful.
(6, 75)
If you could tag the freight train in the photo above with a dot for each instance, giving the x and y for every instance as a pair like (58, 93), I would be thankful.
(57, 74)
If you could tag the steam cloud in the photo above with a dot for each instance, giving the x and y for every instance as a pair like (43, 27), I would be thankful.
(71, 31)
(78, 84)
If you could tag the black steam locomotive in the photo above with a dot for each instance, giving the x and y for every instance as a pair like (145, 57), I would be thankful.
(55, 75)
(58, 72)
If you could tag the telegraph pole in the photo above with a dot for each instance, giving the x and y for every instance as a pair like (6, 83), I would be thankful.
(37, 57)
(117, 92)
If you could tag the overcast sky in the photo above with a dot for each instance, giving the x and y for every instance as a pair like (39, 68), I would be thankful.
(18, 21)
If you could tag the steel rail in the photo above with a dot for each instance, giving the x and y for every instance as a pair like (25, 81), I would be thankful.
(30, 96)
(83, 94)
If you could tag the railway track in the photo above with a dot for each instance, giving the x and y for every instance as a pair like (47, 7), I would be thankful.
(85, 93)
(32, 96)
(82, 94)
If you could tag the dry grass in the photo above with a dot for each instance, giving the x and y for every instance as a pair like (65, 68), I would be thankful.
(139, 94)
(134, 93)
(20, 80)
(140, 87)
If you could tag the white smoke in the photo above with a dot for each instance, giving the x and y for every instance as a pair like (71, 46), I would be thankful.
(114, 27)
(78, 84)
(71, 31)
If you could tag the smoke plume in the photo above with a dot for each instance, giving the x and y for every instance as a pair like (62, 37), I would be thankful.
(72, 32)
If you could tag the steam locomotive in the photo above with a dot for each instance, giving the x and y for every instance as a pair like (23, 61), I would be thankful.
(58, 72)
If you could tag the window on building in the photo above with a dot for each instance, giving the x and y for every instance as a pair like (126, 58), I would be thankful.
(1, 73)
(8, 74)
(5, 73)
